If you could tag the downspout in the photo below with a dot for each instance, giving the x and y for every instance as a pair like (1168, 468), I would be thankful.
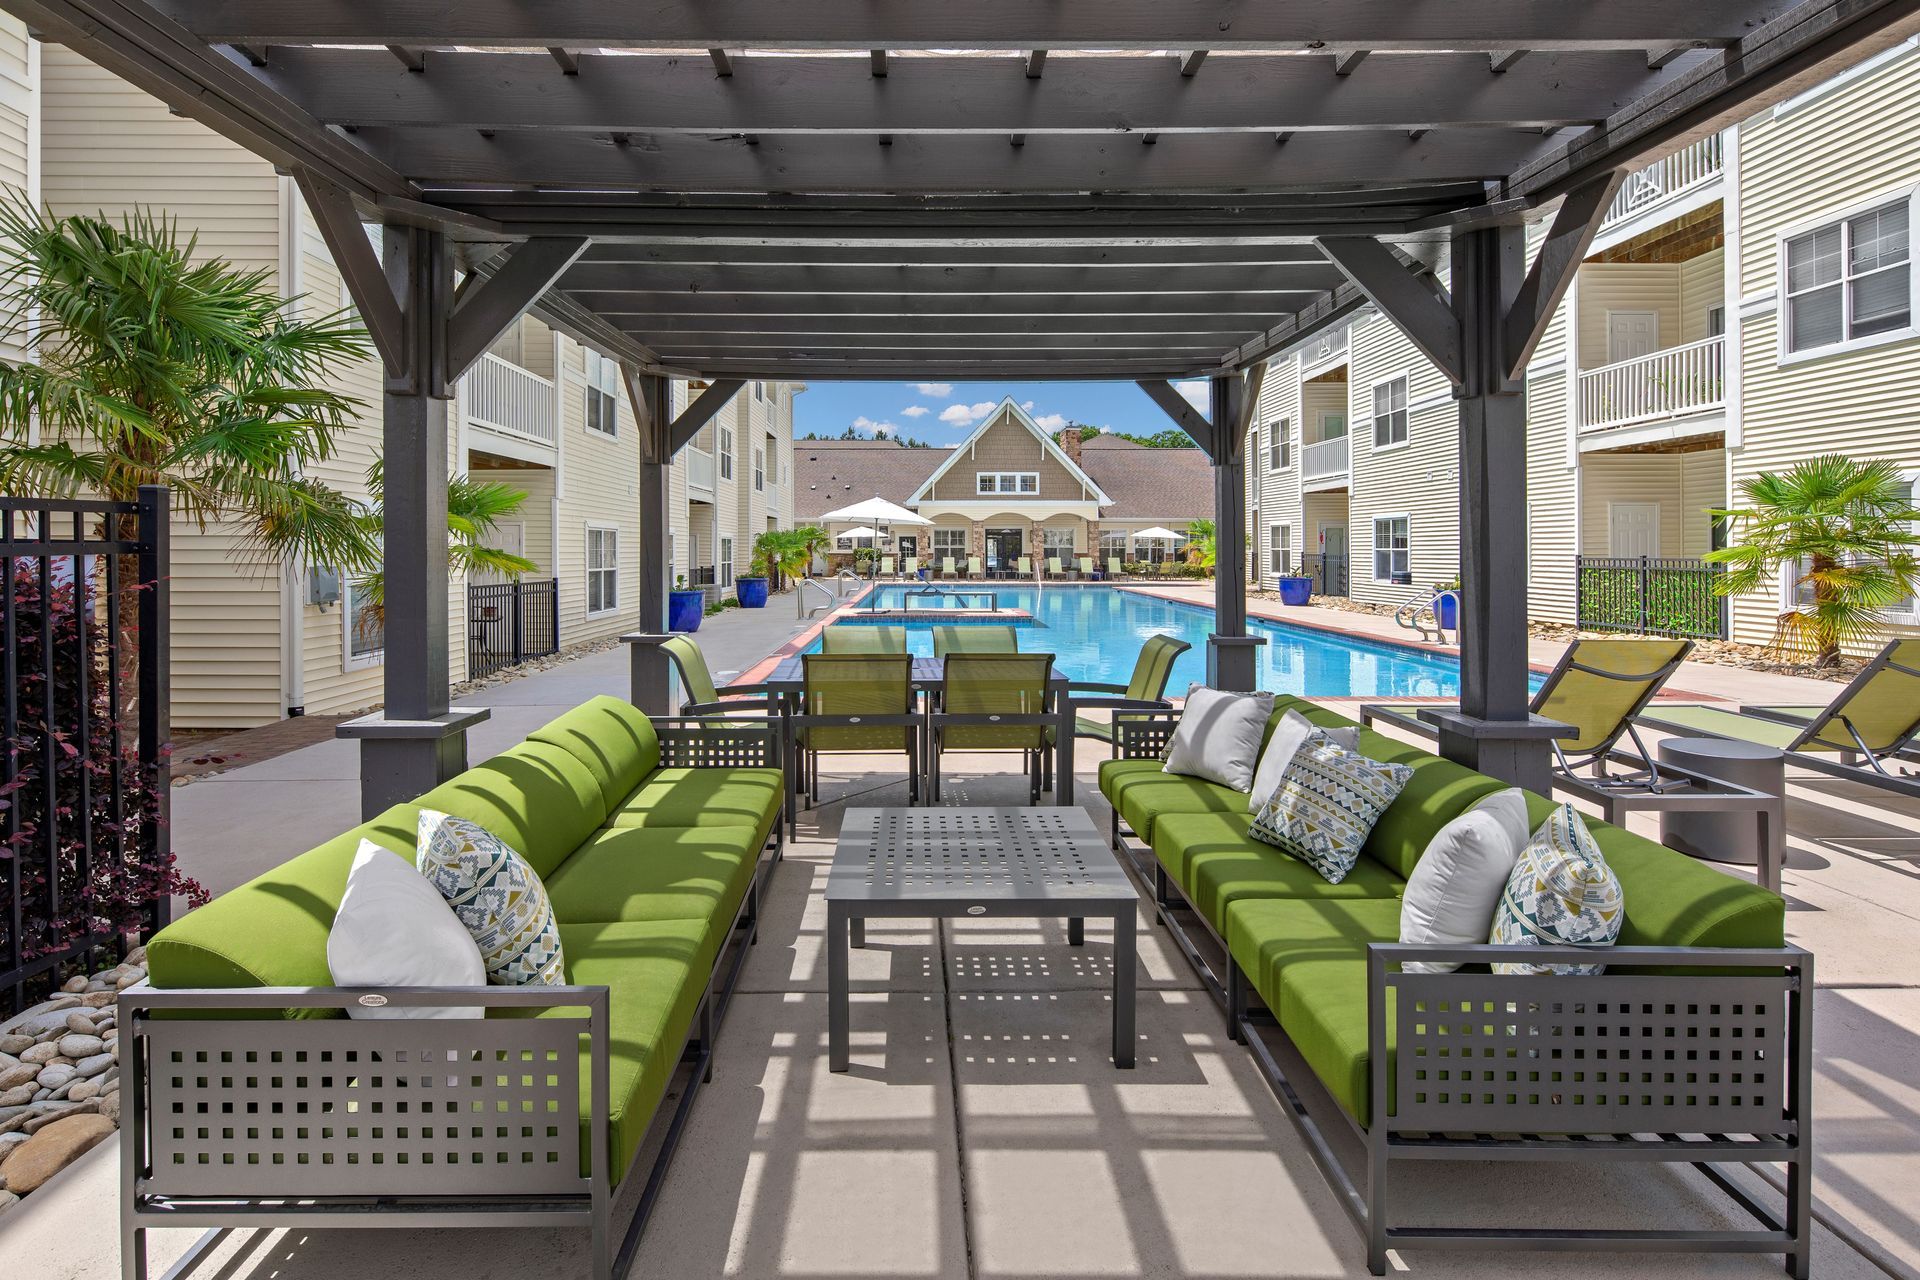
(293, 667)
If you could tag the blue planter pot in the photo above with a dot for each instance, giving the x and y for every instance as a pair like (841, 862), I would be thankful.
(751, 591)
(685, 609)
(1448, 609)
(1296, 590)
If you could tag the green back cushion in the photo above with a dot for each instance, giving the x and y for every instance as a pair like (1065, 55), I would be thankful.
(272, 931)
(613, 739)
(537, 797)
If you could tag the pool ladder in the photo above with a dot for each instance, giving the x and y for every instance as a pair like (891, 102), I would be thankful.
(1409, 615)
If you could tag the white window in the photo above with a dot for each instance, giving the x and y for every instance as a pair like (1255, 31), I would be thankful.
(603, 569)
(950, 542)
(603, 395)
(759, 470)
(726, 453)
(1007, 482)
(1113, 545)
(726, 562)
(1390, 563)
(1280, 549)
(1849, 280)
(759, 391)
(365, 642)
(1390, 413)
(1279, 445)
(1057, 542)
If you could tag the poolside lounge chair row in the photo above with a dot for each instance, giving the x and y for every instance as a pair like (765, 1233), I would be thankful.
(1082, 568)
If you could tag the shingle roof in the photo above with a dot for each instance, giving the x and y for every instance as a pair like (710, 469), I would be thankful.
(1166, 485)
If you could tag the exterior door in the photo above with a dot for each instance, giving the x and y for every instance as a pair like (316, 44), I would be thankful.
(1633, 529)
(1333, 558)
(1332, 425)
(909, 545)
(1631, 334)
(1003, 548)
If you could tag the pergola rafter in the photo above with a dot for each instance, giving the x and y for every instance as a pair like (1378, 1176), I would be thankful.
(894, 190)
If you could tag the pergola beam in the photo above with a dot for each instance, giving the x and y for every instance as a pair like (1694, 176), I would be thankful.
(1410, 297)
(1294, 279)
(981, 24)
(359, 264)
(701, 411)
(1559, 257)
(809, 254)
(624, 306)
(947, 163)
(486, 306)
(1181, 410)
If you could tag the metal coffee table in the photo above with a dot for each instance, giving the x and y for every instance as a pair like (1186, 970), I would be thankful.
(997, 862)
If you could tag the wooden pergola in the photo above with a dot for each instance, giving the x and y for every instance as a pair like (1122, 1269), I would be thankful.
(1150, 190)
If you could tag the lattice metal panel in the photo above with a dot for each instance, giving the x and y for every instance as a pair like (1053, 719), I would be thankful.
(1143, 737)
(357, 1107)
(976, 850)
(717, 745)
(1603, 1054)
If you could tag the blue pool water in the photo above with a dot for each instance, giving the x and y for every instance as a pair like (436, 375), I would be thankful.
(1095, 634)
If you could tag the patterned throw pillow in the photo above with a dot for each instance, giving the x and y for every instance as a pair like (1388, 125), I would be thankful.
(497, 896)
(1326, 805)
(1561, 892)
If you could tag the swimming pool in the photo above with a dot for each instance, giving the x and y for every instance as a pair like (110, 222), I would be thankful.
(1095, 634)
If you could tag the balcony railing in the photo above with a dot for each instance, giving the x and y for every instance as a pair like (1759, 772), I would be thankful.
(1324, 458)
(1675, 383)
(1665, 179)
(501, 396)
(699, 469)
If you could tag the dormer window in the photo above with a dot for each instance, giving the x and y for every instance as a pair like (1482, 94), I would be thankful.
(998, 482)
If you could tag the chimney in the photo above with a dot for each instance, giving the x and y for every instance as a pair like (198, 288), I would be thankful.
(1070, 444)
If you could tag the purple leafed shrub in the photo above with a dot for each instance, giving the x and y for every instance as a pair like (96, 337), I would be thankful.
(80, 838)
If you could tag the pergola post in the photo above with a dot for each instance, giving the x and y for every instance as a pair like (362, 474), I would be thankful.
(651, 670)
(1231, 660)
(417, 740)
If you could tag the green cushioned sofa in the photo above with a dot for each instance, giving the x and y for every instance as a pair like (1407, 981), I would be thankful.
(253, 1089)
(1693, 1046)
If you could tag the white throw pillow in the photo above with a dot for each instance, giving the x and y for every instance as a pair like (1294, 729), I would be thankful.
(1288, 735)
(1218, 737)
(1455, 887)
(393, 929)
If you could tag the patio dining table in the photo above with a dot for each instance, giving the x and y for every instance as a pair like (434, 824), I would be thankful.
(788, 679)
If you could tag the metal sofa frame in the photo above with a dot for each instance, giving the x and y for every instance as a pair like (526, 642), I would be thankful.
(259, 1121)
(1709, 1066)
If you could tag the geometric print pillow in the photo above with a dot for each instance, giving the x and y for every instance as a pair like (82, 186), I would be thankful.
(1326, 805)
(497, 896)
(1561, 893)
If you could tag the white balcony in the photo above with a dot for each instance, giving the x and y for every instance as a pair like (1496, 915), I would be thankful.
(1679, 382)
(1324, 460)
(504, 400)
(699, 470)
(1685, 170)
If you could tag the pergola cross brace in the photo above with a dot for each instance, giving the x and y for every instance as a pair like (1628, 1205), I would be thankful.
(697, 414)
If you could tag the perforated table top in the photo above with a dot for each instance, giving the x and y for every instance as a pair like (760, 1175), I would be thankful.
(966, 855)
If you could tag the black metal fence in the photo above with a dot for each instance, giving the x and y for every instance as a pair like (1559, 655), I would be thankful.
(510, 622)
(84, 743)
(1329, 573)
(1649, 595)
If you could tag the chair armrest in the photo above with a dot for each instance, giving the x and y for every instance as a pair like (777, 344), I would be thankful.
(1075, 686)
(718, 742)
(1125, 704)
(1143, 735)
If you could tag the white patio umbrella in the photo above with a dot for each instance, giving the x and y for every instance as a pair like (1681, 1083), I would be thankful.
(1158, 531)
(858, 531)
(880, 513)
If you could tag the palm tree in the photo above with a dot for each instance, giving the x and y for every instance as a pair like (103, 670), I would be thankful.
(474, 509)
(1201, 544)
(1845, 528)
(788, 552)
(155, 368)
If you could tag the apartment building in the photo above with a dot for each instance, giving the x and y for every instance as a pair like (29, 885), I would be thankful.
(1749, 301)
(256, 640)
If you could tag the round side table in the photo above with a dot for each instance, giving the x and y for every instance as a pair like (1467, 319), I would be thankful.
(1723, 837)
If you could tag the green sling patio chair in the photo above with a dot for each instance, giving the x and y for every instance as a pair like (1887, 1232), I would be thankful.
(1870, 722)
(856, 702)
(1024, 566)
(974, 568)
(912, 568)
(992, 702)
(1145, 691)
(1599, 687)
(1085, 564)
(1053, 568)
(886, 566)
(1169, 567)
(1114, 569)
(856, 639)
(992, 638)
(701, 698)
(947, 569)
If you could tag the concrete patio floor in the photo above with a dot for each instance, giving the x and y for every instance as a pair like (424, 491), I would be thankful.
(983, 1132)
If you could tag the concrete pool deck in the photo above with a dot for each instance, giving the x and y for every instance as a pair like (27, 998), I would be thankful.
(983, 1134)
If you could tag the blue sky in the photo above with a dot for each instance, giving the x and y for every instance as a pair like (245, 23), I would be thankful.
(944, 412)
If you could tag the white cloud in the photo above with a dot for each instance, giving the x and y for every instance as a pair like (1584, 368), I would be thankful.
(864, 423)
(1027, 405)
(965, 415)
(1198, 393)
(938, 390)
(1051, 421)
(915, 411)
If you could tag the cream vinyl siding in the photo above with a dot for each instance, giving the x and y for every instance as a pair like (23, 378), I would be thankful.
(1418, 479)
(1626, 286)
(1552, 495)
(602, 488)
(18, 125)
(1832, 155)
(1685, 485)
(1703, 286)
(107, 147)
(1278, 491)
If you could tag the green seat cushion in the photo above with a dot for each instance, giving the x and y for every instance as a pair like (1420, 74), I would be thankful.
(654, 977)
(656, 873)
(613, 739)
(1308, 960)
(1142, 790)
(1215, 862)
(703, 798)
(1438, 792)
(272, 930)
(537, 797)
